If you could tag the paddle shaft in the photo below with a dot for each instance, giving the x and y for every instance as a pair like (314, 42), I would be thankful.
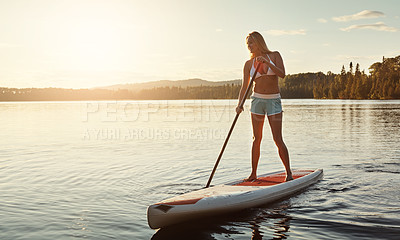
(233, 125)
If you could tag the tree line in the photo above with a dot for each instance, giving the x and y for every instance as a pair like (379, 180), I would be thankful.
(227, 91)
(383, 82)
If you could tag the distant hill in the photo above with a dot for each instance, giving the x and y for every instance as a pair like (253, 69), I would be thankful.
(169, 83)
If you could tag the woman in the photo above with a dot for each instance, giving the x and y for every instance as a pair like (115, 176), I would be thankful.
(266, 99)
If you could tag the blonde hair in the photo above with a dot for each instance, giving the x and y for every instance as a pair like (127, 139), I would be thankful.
(259, 41)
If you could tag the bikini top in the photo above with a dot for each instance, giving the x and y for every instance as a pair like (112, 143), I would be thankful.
(263, 69)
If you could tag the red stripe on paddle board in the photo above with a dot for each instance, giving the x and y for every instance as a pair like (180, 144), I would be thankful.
(274, 179)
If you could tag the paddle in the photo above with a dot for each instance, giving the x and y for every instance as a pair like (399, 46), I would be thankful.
(233, 125)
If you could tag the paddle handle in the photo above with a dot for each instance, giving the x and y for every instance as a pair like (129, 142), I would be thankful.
(233, 125)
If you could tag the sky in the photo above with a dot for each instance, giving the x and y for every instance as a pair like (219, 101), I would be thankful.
(90, 43)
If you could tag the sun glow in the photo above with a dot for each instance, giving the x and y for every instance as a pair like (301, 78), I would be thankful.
(94, 45)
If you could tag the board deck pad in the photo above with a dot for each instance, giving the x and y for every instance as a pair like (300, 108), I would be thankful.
(243, 186)
(274, 179)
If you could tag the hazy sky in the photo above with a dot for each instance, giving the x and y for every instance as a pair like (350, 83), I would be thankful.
(87, 43)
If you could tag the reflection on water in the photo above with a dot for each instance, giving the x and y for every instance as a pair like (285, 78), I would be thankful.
(280, 222)
(273, 220)
(90, 169)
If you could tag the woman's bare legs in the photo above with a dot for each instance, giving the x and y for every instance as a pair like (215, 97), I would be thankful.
(257, 123)
(275, 122)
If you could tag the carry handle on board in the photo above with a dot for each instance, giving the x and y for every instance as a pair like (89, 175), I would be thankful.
(233, 125)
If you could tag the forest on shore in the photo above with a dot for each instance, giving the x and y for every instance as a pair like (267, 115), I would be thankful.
(382, 82)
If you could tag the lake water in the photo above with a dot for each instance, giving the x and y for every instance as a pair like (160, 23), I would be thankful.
(71, 170)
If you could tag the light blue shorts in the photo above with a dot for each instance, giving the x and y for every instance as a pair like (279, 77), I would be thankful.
(261, 106)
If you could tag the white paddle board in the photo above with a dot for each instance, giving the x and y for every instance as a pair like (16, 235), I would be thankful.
(228, 197)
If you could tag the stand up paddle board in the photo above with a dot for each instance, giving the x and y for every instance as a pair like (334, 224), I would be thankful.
(228, 197)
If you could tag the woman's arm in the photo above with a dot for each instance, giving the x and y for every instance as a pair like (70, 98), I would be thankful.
(245, 84)
(278, 68)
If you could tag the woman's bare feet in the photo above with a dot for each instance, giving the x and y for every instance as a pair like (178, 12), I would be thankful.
(251, 178)
(289, 177)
